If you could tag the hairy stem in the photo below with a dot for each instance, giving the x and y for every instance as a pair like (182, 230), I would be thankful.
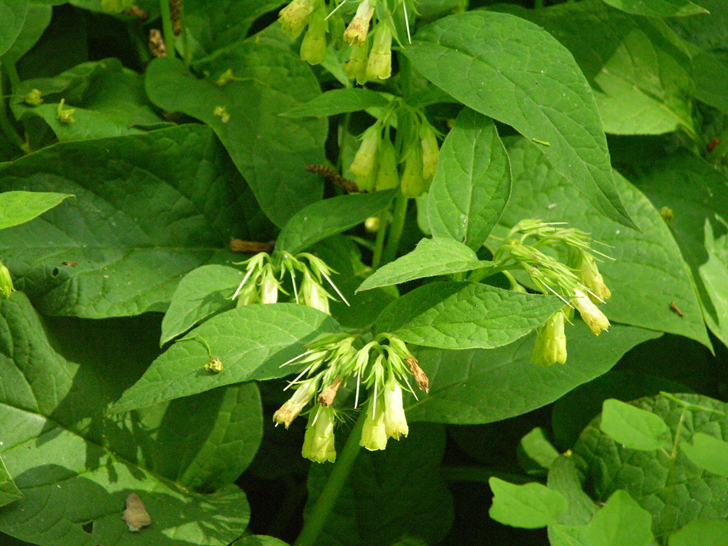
(395, 232)
(330, 493)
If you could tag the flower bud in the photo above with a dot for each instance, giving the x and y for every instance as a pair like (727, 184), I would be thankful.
(221, 112)
(295, 404)
(430, 151)
(372, 224)
(379, 65)
(387, 175)
(395, 422)
(594, 318)
(6, 282)
(412, 184)
(374, 434)
(356, 66)
(356, 32)
(314, 294)
(365, 160)
(313, 46)
(550, 345)
(592, 279)
(269, 287)
(33, 98)
(214, 365)
(318, 444)
(247, 296)
(65, 115)
(295, 16)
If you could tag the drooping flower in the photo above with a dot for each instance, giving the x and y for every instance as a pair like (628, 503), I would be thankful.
(314, 294)
(295, 16)
(594, 318)
(294, 405)
(374, 434)
(430, 151)
(356, 32)
(412, 184)
(388, 175)
(592, 279)
(318, 443)
(269, 286)
(313, 46)
(364, 166)
(379, 65)
(395, 422)
(550, 347)
(356, 67)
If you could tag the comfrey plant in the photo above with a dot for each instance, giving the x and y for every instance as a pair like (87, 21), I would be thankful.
(382, 366)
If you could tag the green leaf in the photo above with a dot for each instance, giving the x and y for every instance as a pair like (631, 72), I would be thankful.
(401, 485)
(701, 532)
(260, 540)
(462, 315)
(674, 490)
(658, 8)
(565, 478)
(646, 271)
(697, 194)
(328, 217)
(708, 453)
(270, 151)
(214, 24)
(9, 492)
(564, 535)
(472, 184)
(18, 207)
(109, 100)
(633, 427)
(483, 386)
(537, 448)
(118, 248)
(203, 292)
(639, 69)
(493, 62)
(251, 341)
(621, 521)
(430, 258)
(530, 506)
(12, 17)
(339, 101)
(54, 407)
(36, 21)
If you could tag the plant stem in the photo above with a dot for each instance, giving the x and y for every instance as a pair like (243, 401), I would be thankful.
(379, 243)
(5, 124)
(12, 75)
(395, 231)
(167, 27)
(330, 493)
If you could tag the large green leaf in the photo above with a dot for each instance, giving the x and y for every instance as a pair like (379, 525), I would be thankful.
(462, 315)
(12, 17)
(18, 207)
(482, 386)
(674, 490)
(531, 505)
(698, 196)
(76, 467)
(339, 101)
(270, 151)
(512, 70)
(700, 532)
(214, 24)
(430, 258)
(391, 495)
(119, 248)
(639, 69)
(251, 341)
(328, 217)
(201, 293)
(472, 183)
(646, 272)
(36, 21)
(633, 427)
(9, 492)
(658, 8)
(109, 100)
(619, 522)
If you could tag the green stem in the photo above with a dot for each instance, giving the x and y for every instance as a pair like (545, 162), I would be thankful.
(5, 124)
(395, 231)
(379, 243)
(167, 27)
(330, 493)
(12, 75)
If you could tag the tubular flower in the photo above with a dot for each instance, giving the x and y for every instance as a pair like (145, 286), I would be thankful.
(412, 184)
(6, 282)
(430, 151)
(395, 422)
(295, 404)
(356, 32)
(379, 65)
(365, 160)
(269, 287)
(374, 434)
(594, 318)
(314, 294)
(550, 345)
(388, 175)
(356, 67)
(592, 279)
(295, 16)
(318, 443)
(313, 47)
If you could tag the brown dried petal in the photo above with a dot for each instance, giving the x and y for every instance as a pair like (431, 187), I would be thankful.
(326, 398)
(422, 381)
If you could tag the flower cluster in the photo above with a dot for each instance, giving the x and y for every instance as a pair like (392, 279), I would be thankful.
(382, 367)
(376, 163)
(264, 279)
(370, 56)
(578, 282)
